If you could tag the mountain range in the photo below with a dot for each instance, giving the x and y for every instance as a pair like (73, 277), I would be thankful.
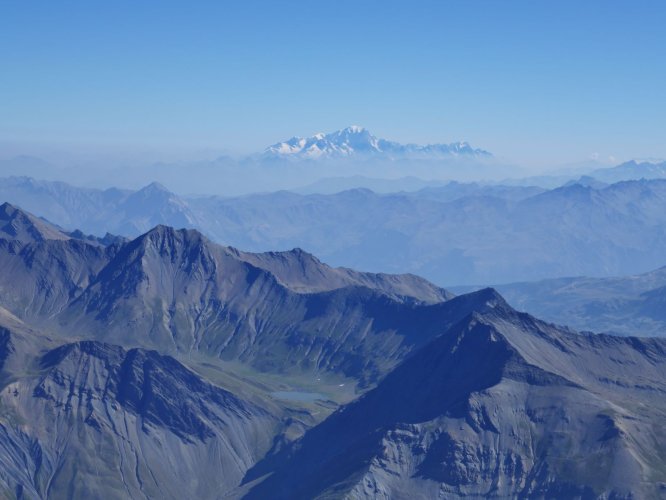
(286, 165)
(186, 294)
(503, 405)
(456, 234)
(170, 366)
(345, 159)
(357, 141)
(628, 305)
(624, 305)
(631, 170)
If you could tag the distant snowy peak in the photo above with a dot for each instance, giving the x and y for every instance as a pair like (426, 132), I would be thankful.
(357, 141)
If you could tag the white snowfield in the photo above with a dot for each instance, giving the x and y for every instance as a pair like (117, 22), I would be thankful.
(356, 140)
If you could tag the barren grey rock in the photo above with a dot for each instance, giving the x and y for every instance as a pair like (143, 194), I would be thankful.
(502, 405)
(146, 368)
(99, 421)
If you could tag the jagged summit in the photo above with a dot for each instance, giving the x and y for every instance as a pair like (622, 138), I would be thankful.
(472, 414)
(296, 269)
(156, 191)
(7, 209)
(19, 225)
(161, 231)
(106, 240)
(303, 272)
(490, 297)
(358, 141)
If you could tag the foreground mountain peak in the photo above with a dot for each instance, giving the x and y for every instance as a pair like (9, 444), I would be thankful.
(18, 225)
(168, 241)
(356, 141)
(507, 405)
(464, 397)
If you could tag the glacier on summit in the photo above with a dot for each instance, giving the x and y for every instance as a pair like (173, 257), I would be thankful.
(358, 141)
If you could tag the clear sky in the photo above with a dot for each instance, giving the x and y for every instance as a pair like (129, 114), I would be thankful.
(532, 81)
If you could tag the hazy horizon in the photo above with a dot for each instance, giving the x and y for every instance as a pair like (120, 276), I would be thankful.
(539, 85)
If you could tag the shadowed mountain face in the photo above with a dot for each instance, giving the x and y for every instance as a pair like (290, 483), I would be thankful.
(158, 367)
(23, 227)
(99, 421)
(42, 268)
(502, 405)
(176, 291)
(185, 294)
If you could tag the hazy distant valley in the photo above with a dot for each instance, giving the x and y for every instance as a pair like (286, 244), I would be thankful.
(452, 234)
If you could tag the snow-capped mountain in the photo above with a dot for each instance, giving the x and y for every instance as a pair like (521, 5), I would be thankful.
(355, 140)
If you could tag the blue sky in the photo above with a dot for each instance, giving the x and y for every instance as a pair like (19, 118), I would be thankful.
(535, 82)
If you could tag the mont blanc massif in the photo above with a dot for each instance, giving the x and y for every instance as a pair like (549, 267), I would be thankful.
(158, 345)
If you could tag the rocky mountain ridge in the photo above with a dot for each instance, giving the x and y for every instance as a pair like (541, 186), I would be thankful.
(502, 405)
(186, 294)
(167, 366)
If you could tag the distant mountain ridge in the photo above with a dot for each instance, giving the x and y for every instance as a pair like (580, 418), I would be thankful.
(634, 169)
(357, 141)
(455, 234)
(624, 305)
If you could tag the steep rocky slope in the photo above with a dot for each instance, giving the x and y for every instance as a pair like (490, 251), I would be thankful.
(97, 420)
(303, 272)
(502, 405)
(159, 367)
(176, 291)
(43, 269)
(84, 418)
(24, 227)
